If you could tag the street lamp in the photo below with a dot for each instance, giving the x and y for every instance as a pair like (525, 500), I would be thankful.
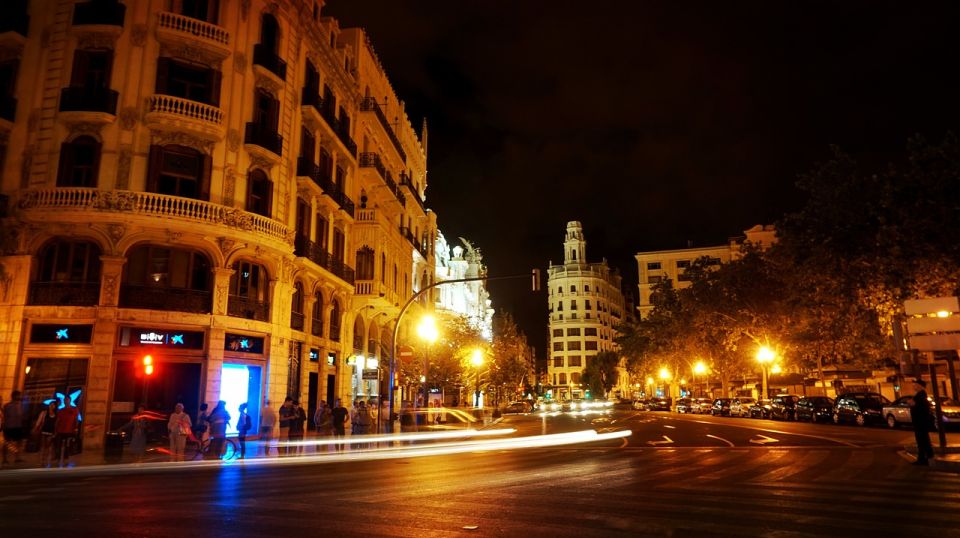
(764, 356)
(476, 359)
(698, 370)
(665, 377)
(427, 331)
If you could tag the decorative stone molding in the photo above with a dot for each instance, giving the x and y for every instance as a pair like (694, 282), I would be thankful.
(138, 35)
(192, 54)
(258, 161)
(80, 128)
(233, 140)
(180, 138)
(109, 290)
(96, 39)
(226, 246)
(239, 62)
(128, 118)
(267, 82)
(116, 232)
(229, 184)
(124, 159)
(173, 237)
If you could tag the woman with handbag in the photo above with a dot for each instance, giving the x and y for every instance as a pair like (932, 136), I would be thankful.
(179, 428)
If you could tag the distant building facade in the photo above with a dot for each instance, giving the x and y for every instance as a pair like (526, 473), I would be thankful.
(585, 304)
(468, 299)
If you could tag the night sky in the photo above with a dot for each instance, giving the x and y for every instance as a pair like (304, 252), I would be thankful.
(653, 123)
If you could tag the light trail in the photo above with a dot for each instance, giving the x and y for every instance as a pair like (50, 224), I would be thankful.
(363, 440)
(408, 451)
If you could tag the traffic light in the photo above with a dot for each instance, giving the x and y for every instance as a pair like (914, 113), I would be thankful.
(535, 276)
(148, 365)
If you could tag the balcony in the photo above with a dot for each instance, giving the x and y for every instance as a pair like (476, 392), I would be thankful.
(306, 248)
(297, 321)
(369, 104)
(372, 160)
(307, 168)
(405, 181)
(257, 136)
(175, 29)
(8, 108)
(99, 13)
(340, 130)
(244, 307)
(65, 293)
(167, 299)
(268, 59)
(171, 113)
(81, 201)
(90, 105)
(344, 202)
(342, 270)
(316, 327)
(15, 23)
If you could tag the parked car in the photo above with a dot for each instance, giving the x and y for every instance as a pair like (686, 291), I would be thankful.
(517, 408)
(814, 409)
(640, 404)
(784, 407)
(660, 404)
(721, 406)
(623, 403)
(685, 405)
(740, 407)
(761, 409)
(701, 406)
(951, 412)
(898, 412)
(860, 408)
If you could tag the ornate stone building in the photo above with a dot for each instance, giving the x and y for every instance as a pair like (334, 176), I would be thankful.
(229, 186)
(585, 306)
(469, 299)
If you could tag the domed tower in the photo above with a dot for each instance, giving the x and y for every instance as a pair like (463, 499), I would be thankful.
(575, 246)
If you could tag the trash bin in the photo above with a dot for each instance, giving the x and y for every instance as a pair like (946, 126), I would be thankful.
(113, 447)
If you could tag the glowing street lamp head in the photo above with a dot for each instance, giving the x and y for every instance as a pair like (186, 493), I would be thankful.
(775, 369)
(765, 354)
(476, 358)
(664, 374)
(699, 368)
(650, 380)
(427, 329)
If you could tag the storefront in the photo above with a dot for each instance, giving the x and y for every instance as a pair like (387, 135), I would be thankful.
(242, 376)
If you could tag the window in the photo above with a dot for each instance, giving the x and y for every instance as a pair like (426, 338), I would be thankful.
(249, 281)
(162, 267)
(573, 332)
(590, 331)
(323, 230)
(195, 82)
(259, 193)
(586, 288)
(269, 32)
(204, 10)
(573, 289)
(383, 268)
(558, 362)
(338, 244)
(573, 346)
(573, 305)
(559, 306)
(558, 346)
(266, 112)
(335, 321)
(560, 290)
(655, 279)
(365, 264)
(91, 68)
(308, 145)
(587, 304)
(358, 335)
(79, 163)
(591, 345)
(574, 361)
(562, 378)
(575, 378)
(683, 264)
(557, 332)
(316, 327)
(8, 85)
(340, 180)
(69, 261)
(179, 171)
(296, 304)
(653, 266)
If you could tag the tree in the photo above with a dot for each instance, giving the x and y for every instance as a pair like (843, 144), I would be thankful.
(600, 373)
(511, 361)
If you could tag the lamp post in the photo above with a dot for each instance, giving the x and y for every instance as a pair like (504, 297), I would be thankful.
(476, 358)
(764, 356)
(698, 370)
(427, 331)
(665, 377)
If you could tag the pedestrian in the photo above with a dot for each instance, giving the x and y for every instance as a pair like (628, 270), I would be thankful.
(285, 412)
(340, 417)
(323, 419)
(179, 428)
(244, 425)
(364, 419)
(200, 427)
(66, 428)
(138, 433)
(354, 422)
(218, 419)
(298, 421)
(922, 418)
(13, 433)
(44, 428)
(372, 407)
(408, 422)
(268, 419)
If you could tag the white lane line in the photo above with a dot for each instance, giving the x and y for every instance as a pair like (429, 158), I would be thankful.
(666, 441)
(763, 440)
(781, 432)
(671, 427)
(720, 439)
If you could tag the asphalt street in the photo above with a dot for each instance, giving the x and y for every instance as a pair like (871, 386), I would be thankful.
(675, 475)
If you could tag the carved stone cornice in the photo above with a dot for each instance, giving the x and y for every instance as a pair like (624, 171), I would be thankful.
(267, 81)
(181, 138)
(104, 37)
(192, 54)
(79, 128)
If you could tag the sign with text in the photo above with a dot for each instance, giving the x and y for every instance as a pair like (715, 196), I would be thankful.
(243, 343)
(165, 338)
(370, 374)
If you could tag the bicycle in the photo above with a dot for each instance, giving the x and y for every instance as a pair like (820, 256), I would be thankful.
(196, 448)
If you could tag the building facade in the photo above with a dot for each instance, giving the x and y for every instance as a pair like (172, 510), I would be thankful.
(657, 266)
(585, 306)
(231, 187)
(468, 299)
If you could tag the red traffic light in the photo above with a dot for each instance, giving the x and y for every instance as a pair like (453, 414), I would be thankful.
(148, 364)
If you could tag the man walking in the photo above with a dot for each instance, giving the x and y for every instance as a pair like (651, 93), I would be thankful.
(66, 427)
(13, 430)
(268, 419)
(296, 432)
(286, 413)
(922, 422)
(340, 418)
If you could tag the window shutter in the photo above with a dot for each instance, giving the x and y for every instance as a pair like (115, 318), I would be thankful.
(273, 114)
(163, 74)
(65, 166)
(215, 78)
(154, 166)
(205, 179)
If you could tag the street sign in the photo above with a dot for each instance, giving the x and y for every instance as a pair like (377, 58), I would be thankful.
(917, 307)
(935, 342)
(405, 353)
(933, 325)
(370, 373)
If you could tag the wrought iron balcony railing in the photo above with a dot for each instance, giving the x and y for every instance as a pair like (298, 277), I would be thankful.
(369, 104)
(82, 99)
(264, 56)
(259, 135)
(244, 307)
(164, 298)
(296, 321)
(65, 293)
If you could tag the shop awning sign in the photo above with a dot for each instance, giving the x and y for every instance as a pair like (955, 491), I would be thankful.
(370, 374)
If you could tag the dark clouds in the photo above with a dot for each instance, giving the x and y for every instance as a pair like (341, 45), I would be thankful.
(654, 123)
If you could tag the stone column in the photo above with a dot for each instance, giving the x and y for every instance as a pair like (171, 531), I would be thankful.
(14, 291)
(221, 290)
(111, 273)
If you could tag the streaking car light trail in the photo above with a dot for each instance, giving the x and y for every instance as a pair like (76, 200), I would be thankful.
(431, 436)
(407, 451)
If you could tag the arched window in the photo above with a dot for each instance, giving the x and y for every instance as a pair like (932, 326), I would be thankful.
(316, 324)
(372, 340)
(269, 32)
(296, 307)
(179, 171)
(335, 321)
(68, 274)
(248, 291)
(563, 379)
(79, 163)
(204, 10)
(259, 193)
(365, 263)
(358, 335)
(160, 278)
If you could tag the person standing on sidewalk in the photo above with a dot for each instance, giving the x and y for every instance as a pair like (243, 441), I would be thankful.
(13, 433)
(286, 413)
(244, 424)
(179, 428)
(219, 419)
(297, 422)
(138, 437)
(66, 427)
(268, 419)
(44, 427)
(340, 417)
(323, 419)
(922, 419)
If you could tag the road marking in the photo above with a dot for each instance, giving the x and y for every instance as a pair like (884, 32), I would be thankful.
(721, 423)
(666, 441)
(763, 440)
(671, 427)
(720, 439)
